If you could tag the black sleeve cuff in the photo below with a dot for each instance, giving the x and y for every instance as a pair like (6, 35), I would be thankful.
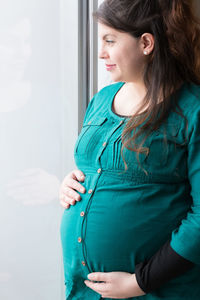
(164, 265)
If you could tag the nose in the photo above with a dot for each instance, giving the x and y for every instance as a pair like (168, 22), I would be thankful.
(102, 53)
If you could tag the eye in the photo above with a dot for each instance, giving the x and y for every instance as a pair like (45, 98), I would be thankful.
(109, 41)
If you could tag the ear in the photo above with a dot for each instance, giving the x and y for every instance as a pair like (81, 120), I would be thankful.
(147, 43)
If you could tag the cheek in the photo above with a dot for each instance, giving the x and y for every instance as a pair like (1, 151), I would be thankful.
(130, 58)
(134, 61)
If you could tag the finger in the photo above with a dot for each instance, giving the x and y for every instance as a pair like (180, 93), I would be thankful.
(68, 196)
(65, 205)
(97, 287)
(105, 296)
(78, 175)
(70, 193)
(67, 200)
(71, 181)
(75, 185)
(99, 276)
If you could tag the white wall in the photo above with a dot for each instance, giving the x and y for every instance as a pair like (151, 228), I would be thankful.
(38, 129)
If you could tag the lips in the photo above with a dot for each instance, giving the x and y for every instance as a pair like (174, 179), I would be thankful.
(110, 67)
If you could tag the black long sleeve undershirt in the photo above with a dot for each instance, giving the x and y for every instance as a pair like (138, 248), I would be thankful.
(164, 265)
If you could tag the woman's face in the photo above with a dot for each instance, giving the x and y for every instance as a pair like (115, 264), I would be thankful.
(124, 52)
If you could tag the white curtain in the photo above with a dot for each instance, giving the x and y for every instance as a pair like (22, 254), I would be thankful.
(38, 128)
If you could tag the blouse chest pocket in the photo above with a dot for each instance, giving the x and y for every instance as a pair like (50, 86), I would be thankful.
(89, 136)
(162, 145)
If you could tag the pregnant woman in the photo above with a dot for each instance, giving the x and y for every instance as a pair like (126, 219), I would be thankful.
(134, 232)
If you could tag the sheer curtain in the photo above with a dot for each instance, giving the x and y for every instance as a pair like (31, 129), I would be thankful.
(38, 128)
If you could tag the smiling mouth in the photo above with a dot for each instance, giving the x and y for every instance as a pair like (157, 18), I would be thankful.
(110, 67)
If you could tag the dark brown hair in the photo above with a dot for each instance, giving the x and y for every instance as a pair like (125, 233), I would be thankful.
(174, 61)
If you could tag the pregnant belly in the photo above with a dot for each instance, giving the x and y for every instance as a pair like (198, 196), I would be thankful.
(118, 231)
(110, 231)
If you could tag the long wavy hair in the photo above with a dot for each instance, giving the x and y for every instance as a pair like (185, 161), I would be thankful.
(175, 59)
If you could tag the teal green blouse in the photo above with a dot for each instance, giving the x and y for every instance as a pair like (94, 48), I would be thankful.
(125, 217)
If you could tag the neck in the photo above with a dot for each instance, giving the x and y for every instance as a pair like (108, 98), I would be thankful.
(136, 90)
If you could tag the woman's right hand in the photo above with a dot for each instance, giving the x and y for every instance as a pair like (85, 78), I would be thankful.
(67, 193)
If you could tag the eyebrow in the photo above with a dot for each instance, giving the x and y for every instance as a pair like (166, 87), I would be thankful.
(107, 35)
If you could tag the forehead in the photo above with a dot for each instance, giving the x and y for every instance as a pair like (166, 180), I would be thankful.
(105, 30)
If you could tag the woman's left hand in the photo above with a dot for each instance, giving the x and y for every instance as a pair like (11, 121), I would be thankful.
(117, 285)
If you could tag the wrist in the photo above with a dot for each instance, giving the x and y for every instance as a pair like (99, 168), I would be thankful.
(137, 288)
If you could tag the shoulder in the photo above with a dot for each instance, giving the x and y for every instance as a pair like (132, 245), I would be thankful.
(109, 89)
(189, 102)
(189, 99)
(105, 94)
(98, 105)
